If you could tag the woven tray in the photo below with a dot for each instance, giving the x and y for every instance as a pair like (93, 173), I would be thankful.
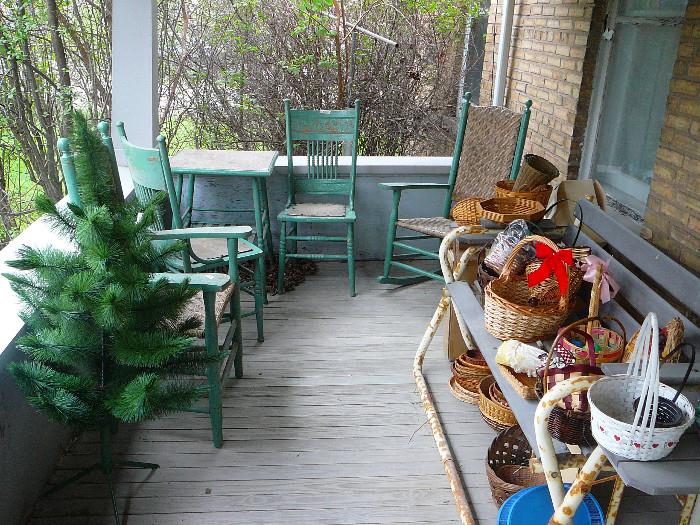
(466, 390)
(523, 384)
(506, 210)
(466, 212)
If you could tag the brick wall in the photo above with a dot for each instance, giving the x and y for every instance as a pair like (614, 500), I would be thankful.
(673, 207)
(552, 59)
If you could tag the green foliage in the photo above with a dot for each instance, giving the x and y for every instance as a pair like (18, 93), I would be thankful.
(450, 15)
(104, 340)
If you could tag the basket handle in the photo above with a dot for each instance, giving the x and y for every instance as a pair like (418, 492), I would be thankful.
(565, 331)
(644, 367)
(690, 366)
(510, 261)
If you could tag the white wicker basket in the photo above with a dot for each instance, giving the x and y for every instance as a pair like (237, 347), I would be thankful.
(619, 427)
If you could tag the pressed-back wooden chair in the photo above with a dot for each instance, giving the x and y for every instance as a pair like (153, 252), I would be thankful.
(216, 294)
(323, 134)
(489, 147)
(203, 254)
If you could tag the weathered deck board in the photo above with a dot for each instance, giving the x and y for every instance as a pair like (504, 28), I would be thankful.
(326, 427)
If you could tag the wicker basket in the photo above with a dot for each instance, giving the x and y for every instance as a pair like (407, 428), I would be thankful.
(508, 313)
(496, 415)
(466, 212)
(568, 426)
(541, 194)
(507, 465)
(535, 171)
(609, 344)
(465, 389)
(505, 210)
(628, 430)
(670, 336)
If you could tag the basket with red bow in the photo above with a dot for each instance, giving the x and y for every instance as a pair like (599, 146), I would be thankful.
(547, 275)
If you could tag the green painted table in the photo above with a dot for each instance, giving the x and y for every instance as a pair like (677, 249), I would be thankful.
(256, 165)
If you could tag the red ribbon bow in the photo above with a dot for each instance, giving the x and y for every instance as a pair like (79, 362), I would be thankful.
(552, 263)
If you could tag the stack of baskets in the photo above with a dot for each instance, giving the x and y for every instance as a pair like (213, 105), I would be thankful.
(507, 465)
(467, 372)
(493, 405)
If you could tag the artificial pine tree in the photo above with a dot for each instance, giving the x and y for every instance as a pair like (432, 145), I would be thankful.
(105, 342)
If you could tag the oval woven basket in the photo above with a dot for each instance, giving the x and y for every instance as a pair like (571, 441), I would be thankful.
(508, 313)
(496, 415)
(541, 194)
(505, 210)
(465, 389)
(507, 465)
(609, 344)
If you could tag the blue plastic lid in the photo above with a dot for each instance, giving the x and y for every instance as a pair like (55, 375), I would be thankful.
(533, 506)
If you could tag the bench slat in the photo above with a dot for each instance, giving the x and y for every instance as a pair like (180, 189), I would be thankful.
(680, 283)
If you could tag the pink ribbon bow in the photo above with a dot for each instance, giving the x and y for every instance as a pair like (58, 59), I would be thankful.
(608, 286)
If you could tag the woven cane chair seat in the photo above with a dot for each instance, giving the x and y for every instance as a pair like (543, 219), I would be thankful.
(316, 209)
(215, 248)
(487, 153)
(435, 226)
(195, 308)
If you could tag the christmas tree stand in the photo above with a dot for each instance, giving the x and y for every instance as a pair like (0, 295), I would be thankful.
(106, 465)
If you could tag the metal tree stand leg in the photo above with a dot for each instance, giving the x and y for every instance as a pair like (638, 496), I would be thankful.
(463, 507)
(106, 465)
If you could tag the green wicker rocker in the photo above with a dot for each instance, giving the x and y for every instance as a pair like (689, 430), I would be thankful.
(216, 294)
(323, 135)
(150, 172)
(488, 148)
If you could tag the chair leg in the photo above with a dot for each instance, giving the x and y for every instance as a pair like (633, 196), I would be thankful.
(211, 342)
(282, 257)
(260, 295)
(351, 259)
(293, 243)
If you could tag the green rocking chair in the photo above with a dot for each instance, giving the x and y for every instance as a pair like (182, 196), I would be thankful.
(489, 148)
(323, 135)
(216, 294)
(205, 254)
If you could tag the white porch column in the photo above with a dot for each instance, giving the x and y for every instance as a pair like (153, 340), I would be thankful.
(135, 71)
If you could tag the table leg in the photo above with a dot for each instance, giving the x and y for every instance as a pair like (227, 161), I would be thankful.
(259, 226)
(190, 197)
(267, 219)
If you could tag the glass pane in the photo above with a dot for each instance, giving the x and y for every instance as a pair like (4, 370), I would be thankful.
(633, 109)
(653, 8)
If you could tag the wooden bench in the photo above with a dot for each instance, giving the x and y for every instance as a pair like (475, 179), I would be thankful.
(649, 281)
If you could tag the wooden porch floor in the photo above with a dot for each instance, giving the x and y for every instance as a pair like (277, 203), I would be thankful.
(325, 427)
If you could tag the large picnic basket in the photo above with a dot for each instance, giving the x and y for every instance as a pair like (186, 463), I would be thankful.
(508, 309)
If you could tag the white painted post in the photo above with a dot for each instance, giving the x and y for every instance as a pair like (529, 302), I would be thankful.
(135, 71)
(499, 88)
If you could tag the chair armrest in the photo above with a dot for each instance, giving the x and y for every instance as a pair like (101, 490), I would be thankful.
(207, 282)
(400, 186)
(210, 232)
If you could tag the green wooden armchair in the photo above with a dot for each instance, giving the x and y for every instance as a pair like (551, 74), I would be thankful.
(216, 294)
(150, 172)
(488, 148)
(323, 135)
